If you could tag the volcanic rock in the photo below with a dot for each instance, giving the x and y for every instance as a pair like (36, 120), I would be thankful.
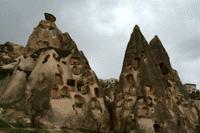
(48, 85)
(53, 85)
(150, 96)
(9, 52)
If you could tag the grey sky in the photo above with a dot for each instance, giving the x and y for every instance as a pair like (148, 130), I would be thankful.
(101, 28)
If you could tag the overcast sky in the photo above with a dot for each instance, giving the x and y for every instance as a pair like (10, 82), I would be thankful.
(101, 28)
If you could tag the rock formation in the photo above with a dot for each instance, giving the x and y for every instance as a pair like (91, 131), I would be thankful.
(192, 91)
(9, 52)
(52, 83)
(150, 96)
(48, 84)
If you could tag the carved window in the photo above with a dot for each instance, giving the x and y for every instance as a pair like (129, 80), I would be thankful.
(59, 78)
(142, 53)
(64, 62)
(71, 82)
(97, 92)
(79, 101)
(76, 70)
(46, 43)
(51, 28)
(136, 63)
(164, 68)
(75, 61)
(46, 59)
(130, 79)
(156, 127)
(178, 123)
(80, 84)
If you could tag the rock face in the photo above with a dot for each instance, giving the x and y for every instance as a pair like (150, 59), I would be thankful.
(46, 34)
(52, 83)
(48, 84)
(192, 91)
(9, 52)
(150, 96)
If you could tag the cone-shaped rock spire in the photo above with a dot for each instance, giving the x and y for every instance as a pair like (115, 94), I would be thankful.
(142, 99)
(139, 57)
(159, 52)
(53, 79)
(140, 80)
(136, 46)
(162, 60)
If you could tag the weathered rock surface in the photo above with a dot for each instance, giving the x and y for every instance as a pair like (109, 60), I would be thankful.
(9, 52)
(192, 91)
(49, 85)
(52, 83)
(150, 96)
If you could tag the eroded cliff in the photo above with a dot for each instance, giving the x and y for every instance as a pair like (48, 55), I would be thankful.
(49, 85)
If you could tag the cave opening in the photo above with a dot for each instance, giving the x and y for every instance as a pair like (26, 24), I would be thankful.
(156, 127)
(165, 70)
(71, 82)
(97, 92)
(46, 59)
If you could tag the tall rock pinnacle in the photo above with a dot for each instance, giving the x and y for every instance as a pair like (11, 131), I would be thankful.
(138, 59)
(136, 46)
(142, 97)
(159, 52)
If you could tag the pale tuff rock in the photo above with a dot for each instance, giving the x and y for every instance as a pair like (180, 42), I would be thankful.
(9, 51)
(49, 84)
(53, 84)
(150, 97)
(192, 91)
(46, 34)
(109, 87)
(191, 88)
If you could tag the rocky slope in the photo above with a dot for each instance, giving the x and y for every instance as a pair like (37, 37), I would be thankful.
(49, 85)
